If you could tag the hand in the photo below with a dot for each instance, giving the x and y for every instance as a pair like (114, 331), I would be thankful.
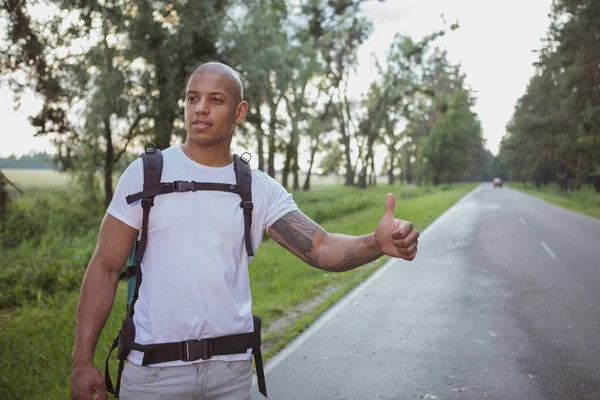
(87, 383)
(396, 238)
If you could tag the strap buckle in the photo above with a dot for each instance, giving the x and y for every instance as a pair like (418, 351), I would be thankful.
(148, 202)
(208, 350)
(247, 205)
(194, 349)
(183, 186)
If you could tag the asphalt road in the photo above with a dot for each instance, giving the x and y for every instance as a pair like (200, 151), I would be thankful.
(502, 302)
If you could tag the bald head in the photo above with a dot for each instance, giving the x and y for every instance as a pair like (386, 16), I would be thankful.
(234, 83)
(214, 105)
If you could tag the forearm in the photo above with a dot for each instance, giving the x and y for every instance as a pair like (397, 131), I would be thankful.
(95, 303)
(339, 253)
(327, 251)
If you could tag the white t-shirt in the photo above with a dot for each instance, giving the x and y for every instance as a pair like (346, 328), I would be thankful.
(195, 268)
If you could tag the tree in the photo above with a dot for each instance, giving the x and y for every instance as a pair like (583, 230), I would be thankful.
(561, 146)
(292, 60)
(99, 98)
(449, 146)
(169, 41)
(390, 94)
(113, 113)
(4, 198)
(336, 49)
(440, 80)
(481, 165)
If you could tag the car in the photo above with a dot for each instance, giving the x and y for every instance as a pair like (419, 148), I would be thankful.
(497, 182)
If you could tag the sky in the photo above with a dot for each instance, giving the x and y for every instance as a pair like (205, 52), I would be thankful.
(494, 46)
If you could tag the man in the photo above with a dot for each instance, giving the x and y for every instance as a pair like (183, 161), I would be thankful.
(195, 266)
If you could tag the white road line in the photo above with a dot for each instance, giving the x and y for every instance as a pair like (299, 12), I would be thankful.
(331, 312)
(547, 248)
(522, 221)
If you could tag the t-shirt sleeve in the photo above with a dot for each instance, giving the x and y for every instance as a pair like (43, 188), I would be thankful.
(281, 202)
(130, 182)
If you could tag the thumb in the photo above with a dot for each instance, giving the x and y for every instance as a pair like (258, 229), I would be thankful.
(390, 204)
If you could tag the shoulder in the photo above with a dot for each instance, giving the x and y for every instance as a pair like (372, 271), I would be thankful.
(167, 154)
(263, 180)
(172, 153)
(134, 170)
(175, 163)
(261, 176)
(270, 188)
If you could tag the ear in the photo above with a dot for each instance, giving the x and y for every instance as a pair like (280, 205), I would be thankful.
(242, 110)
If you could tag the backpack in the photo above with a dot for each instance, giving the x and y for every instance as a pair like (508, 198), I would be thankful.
(188, 350)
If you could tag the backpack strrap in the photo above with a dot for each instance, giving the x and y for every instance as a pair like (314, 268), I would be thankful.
(188, 350)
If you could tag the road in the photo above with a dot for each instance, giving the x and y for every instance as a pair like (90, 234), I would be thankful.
(502, 302)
